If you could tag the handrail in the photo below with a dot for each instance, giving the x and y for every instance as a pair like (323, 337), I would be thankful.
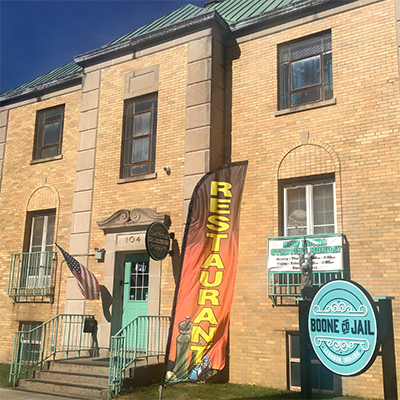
(61, 334)
(144, 337)
(32, 274)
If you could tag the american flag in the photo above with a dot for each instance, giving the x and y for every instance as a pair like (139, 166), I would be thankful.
(87, 282)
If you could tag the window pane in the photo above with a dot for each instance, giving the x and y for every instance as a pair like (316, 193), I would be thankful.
(37, 234)
(307, 96)
(324, 229)
(140, 169)
(296, 211)
(328, 92)
(327, 60)
(126, 171)
(295, 374)
(306, 48)
(284, 102)
(127, 152)
(327, 39)
(142, 124)
(128, 127)
(306, 73)
(141, 149)
(284, 54)
(294, 346)
(50, 151)
(53, 115)
(51, 133)
(284, 78)
(143, 105)
(50, 232)
(323, 204)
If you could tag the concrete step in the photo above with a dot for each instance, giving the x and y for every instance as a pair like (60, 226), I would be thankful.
(72, 378)
(63, 389)
(89, 366)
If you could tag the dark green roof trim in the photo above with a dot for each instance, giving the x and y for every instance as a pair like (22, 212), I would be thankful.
(136, 43)
(40, 89)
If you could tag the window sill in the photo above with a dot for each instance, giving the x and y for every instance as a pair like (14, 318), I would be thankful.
(137, 178)
(43, 160)
(306, 107)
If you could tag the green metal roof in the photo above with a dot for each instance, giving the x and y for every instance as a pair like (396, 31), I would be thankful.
(237, 10)
(232, 11)
(61, 72)
(179, 15)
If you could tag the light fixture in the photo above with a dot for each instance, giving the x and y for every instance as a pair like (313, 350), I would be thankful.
(99, 255)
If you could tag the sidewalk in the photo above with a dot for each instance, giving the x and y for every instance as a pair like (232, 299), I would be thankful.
(15, 394)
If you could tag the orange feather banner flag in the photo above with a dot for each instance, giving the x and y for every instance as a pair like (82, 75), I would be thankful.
(203, 297)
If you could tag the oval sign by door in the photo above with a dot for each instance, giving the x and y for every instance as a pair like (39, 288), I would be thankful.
(157, 241)
(343, 327)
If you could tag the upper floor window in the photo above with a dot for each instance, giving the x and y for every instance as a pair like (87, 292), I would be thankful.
(309, 208)
(49, 131)
(139, 140)
(305, 71)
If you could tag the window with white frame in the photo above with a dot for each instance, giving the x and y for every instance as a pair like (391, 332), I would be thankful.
(309, 208)
(37, 263)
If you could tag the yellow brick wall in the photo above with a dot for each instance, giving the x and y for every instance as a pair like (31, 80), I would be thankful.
(165, 192)
(26, 188)
(357, 139)
(360, 134)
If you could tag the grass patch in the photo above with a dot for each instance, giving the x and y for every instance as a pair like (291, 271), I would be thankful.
(218, 391)
(4, 375)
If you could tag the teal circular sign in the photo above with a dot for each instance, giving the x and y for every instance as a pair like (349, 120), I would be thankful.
(343, 329)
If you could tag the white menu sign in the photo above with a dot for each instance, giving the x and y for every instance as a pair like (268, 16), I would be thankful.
(283, 252)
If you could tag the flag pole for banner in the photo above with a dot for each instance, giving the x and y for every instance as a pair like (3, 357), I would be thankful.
(172, 320)
(197, 200)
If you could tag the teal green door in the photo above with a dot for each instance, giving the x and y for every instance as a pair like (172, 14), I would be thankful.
(136, 287)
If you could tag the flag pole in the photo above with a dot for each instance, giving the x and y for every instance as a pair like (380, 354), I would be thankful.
(175, 301)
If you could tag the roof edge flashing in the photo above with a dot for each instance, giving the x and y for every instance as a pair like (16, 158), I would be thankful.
(157, 36)
(41, 89)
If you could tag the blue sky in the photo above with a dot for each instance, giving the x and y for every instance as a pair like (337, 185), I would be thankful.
(39, 36)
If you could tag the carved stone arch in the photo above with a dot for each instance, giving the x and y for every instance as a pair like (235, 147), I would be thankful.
(43, 198)
(132, 220)
(313, 158)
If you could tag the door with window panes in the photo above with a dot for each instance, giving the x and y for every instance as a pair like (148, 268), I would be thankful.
(136, 287)
(309, 208)
(39, 260)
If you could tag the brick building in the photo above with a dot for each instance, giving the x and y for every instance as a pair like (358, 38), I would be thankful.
(307, 91)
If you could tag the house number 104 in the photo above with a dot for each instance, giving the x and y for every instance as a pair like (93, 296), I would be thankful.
(132, 239)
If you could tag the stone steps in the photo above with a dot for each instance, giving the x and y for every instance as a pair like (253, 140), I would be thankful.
(83, 378)
(63, 389)
(87, 378)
